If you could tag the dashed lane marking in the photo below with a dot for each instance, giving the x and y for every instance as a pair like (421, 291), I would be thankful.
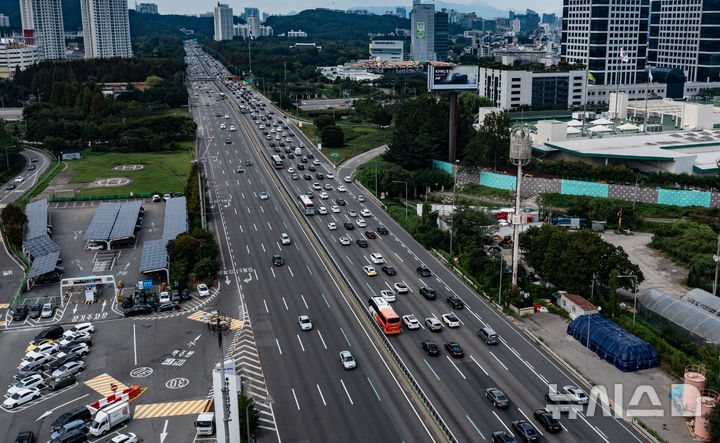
(102, 384)
(170, 409)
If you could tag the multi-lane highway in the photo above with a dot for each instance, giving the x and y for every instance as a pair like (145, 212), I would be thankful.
(302, 368)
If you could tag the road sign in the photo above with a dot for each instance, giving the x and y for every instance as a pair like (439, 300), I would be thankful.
(144, 284)
(382, 196)
(113, 387)
(334, 154)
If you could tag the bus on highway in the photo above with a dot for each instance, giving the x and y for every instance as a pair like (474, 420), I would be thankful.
(386, 317)
(276, 162)
(306, 205)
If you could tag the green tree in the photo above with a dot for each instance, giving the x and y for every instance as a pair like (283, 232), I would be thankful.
(248, 404)
(153, 81)
(206, 269)
(13, 219)
(332, 136)
(491, 144)
(323, 120)
(420, 133)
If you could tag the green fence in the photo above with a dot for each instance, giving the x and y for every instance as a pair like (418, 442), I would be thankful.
(499, 181)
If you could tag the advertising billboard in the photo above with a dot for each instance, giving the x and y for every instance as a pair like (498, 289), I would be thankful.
(452, 77)
(420, 30)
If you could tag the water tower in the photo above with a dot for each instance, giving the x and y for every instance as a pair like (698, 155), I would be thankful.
(705, 405)
(520, 155)
(694, 385)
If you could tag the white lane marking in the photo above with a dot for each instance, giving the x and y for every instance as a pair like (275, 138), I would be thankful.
(286, 305)
(266, 308)
(300, 341)
(456, 368)
(498, 360)
(322, 397)
(528, 420)
(291, 272)
(296, 400)
(280, 351)
(322, 339)
(479, 365)
(304, 302)
(346, 391)
(503, 423)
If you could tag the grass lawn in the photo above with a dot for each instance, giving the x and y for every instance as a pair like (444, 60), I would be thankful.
(163, 172)
(358, 139)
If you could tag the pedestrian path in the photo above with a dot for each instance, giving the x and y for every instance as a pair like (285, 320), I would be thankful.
(206, 317)
(103, 384)
(170, 409)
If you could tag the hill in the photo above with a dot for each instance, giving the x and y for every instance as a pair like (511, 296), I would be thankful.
(71, 13)
(332, 25)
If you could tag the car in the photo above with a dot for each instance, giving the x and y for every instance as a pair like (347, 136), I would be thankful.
(185, 295)
(360, 198)
(222, 125)
(33, 345)
(156, 198)
(370, 234)
(389, 270)
(454, 349)
(285, 239)
(52, 333)
(228, 141)
(328, 186)
(451, 320)
(95, 246)
(433, 324)
(348, 360)
(345, 241)
(233, 128)
(168, 306)
(239, 169)
(526, 431)
(411, 321)
(62, 359)
(124, 438)
(138, 310)
(347, 179)
(361, 223)
(300, 167)
(377, 258)
(401, 287)
(324, 195)
(227, 116)
(203, 290)
(71, 367)
(430, 348)
(18, 179)
(277, 260)
(48, 311)
(365, 213)
(352, 213)
(63, 434)
(304, 160)
(332, 226)
(316, 186)
(20, 313)
(305, 323)
(81, 349)
(320, 176)
(334, 209)
(340, 202)
(370, 271)
(307, 177)
(388, 295)
(502, 437)
(424, 271)
(497, 397)
(25, 436)
(362, 242)
(75, 340)
(329, 175)
(576, 394)
(55, 384)
(164, 297)
(316, 162)
(248, 163)
(488, 335)
(341, 188)
(21, 397)
(32, 381)
(428, 292)
(45, 348)
(34, 361)
(294, 177)
(382, 230)
(547, 421)
(455, 302)
(10, 186)
(349, 226)
(264, 195)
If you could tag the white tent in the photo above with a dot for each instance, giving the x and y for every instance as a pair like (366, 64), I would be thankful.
(574, 123)
(599, 128)
(628, 127)
(570, 130)
(601, 121)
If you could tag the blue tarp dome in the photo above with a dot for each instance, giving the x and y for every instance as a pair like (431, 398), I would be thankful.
(613, 343)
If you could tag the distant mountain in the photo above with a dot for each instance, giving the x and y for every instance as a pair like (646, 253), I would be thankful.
(156, 24)
(481, 9)
(333, 25)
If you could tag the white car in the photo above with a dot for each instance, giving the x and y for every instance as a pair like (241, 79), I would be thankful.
(21, 397)
(264, 195)
(365, 213)
(341, 188)
(433, 324)
(71, 338)
(81, 349)
(47, 311)
(285, 239)
(388, 295)
(345, 241)
(347, 360)
(361, 223)
(322, 210)
(316, 186)
(401, 287)
(335, 209)
(79, 329)
(411, 321)
(232, 128)
(291, 169)
(95, 246)
(305, 323)
(164, 297)
(222, 125)
(348, 179)
(576, 394)
(451, 320)
(31, 381)
(360, 198)
(45, 348)
(227, 116)
(324, 195)
(377, 258)
(328, 187)
(332, 226)
(124, 438)
(30, 361)
(329, 175)
(203, 290)
(18, 179)
(370, 271)
(316, 162)
(352, 213)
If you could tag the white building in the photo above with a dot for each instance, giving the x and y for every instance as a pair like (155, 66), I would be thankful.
(510, 89)
(253, 22)
(296, 34)
(42, 23)
(15, 56)
(223, 22)
(4, 21)
(389, 50)
(147, 8)
(243, 31)
(106, 28)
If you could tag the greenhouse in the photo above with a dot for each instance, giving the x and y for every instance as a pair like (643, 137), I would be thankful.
(703, 300)
(686, 318)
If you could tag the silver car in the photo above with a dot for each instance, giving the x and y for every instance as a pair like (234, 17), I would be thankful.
(305, 323)
(71, 367)
(348, 360)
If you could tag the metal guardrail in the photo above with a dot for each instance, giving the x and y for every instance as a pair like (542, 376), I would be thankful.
(640, 428)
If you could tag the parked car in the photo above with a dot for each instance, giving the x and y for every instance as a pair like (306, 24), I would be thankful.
(21, 397)
(138, 310)
(25, 437)
(55, 384)
(34, 311)
(48, 311)
(20, 313)
(203, 290)
(79, 413)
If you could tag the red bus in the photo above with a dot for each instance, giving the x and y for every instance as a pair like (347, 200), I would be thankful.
(276, 162)
(306, 205)
(386, 317)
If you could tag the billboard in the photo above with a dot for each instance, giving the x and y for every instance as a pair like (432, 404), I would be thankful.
(420, 30)
(452, 77)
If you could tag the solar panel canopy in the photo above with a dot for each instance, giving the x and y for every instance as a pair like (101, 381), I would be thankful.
(102, 223)
(44, 264)
(154, 256)
(175, 218)
(124, 226)
(37, 219)
(39, 246)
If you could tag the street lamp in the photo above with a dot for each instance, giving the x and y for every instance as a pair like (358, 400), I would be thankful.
(634, 277)
(406, 203)
(266, 401)
(587, 342)
(716, 258)
(501, 276)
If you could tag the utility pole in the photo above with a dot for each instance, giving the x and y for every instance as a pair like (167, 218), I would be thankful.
(716, 258)
(220, 326)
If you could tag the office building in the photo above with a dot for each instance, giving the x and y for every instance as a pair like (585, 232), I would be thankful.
(549, 19)
(610, 39)
(106, 28)
(422, 18)
(253, 22)
(684, 35)
(250, 11)
(223, 22)
(401, 11)
(390, 50)
(4, 21)
(42, 24)
(147, 8)
(510, 89)
(441, 36)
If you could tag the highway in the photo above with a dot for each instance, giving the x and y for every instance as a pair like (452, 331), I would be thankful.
(316, 398)
(455, 387)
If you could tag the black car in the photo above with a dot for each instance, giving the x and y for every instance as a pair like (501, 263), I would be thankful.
(62, 360)
(382, 230)
(74, 436)
(304, 160)
(349, 226)
(362, 242)
(430, 348)
(497, 397)
(300, 167)
(340, 202)
(311, 168)
(25, 437)
(310, 155)
(454, 349)
(20, 313)
(35, 311)
(248, 163)
(526, 431)
(277, 260)
(455, 302)
(61, 382)
(10, 186)
(127, 303)
(307, 177)
(546, 419)
(389, 270)
(228, 141)
(138, 310)
(502, 437)
(370, 234)
(51, 333)
(80, 413)
(168, 306)
(424, 271)
(185, 295)
(320, 176)
(428, 292)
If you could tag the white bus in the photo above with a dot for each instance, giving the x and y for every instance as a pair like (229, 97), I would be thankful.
(306, 205)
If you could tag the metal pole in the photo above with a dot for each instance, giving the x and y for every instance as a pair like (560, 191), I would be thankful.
(500, 285)
(587, 342)
(634, 298)
(716, 257)
(647, 88)
(226, 419)
(247, 420)
(376, 193)
(516, 224)
(249, 56)
(406, 201)
(452, 210)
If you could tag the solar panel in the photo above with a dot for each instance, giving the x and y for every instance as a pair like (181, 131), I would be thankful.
(125, 222)
(44, 264)
(40, 246)
(154, 256)
(103, 221)
(37, 220)
(175, 218)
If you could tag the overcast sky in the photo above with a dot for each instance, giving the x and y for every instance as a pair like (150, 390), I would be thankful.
(285, 6)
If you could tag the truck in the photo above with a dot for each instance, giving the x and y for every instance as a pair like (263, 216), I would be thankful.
(298, 151)
(205, 424)
(109, 417)
(222, 96)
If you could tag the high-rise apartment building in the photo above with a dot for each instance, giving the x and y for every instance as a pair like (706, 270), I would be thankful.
(422, 39)
(223, 22)
(609, 37)
(253, 22)
(106, 28)
(250, 11)
(147, 8)
(401, 11)
(684, 34)
(42, 24)
(4, 21)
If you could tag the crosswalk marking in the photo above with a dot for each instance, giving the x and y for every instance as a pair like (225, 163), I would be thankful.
(203, 316)
(170, 409)
(102, 383)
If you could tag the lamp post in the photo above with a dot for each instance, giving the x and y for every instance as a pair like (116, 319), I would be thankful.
(406, 203)
(500, 285)
(267, 401)
(520, 155)
(634, 277)
(716, 258)
(587, 341)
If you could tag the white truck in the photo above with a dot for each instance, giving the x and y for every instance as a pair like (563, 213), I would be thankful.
(108, 417)
(205, 424)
